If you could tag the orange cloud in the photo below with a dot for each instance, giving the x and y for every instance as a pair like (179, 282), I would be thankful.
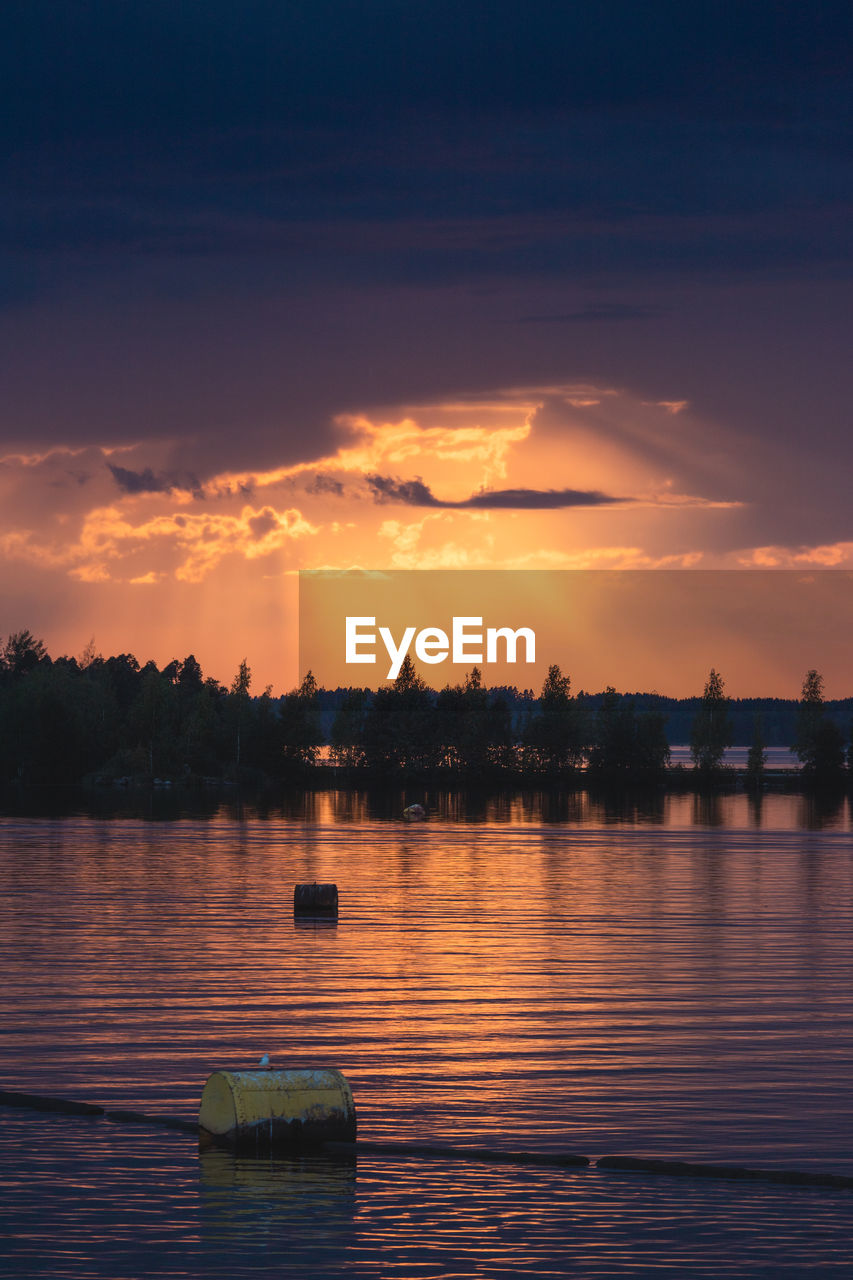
(218, 555)
(480, 451)
(826, 556)
(199, 540)
(525, 446)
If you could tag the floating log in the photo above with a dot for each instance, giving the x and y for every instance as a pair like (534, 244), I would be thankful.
(315, 900)
(37, 1102)
(157, 1122)
(268, 1110)
(694, 1169)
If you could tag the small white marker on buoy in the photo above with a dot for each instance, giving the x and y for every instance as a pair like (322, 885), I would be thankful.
(265, 1062)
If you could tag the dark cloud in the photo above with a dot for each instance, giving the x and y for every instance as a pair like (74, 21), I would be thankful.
(205, 130)
(148, 482)
(238, 222)
(159, 70)
(415, 493)
(325, 484)
(595, 313)
(412, 492)
(79, 477)
(538, 499)
(264, 522)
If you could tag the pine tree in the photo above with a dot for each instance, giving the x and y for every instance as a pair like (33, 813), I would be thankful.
(711, 732)
(556, 735)
(819, 743)
(300, 725)
(239, 703)
(810, 714)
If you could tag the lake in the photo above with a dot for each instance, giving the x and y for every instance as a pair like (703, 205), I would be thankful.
(668, 976)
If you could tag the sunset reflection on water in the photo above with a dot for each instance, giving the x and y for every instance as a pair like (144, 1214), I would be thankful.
(573, 976)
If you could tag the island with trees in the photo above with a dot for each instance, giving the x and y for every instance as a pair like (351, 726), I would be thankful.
(108, 721)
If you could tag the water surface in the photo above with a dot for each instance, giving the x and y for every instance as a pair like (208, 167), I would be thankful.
(668, 978)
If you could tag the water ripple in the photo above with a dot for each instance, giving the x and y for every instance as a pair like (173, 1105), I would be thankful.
(667, 990)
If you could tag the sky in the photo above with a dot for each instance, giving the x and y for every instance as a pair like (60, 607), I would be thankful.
(394, 285)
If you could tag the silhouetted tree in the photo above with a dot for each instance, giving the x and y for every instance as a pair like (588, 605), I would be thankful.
(239, 708)
(809, 717)
(400, 727)
(199, 728)
(818, 743)
(190, 676)
(151, 722)
(627, 746)
(557, 732)
(347, 735)
(300, 726)
(122, 677)
(711, 731)
(22, 653)
(463, 725)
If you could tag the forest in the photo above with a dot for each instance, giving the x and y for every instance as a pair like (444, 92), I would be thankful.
(108, 721)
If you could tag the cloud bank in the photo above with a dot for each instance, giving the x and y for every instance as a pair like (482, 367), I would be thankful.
(415, 493)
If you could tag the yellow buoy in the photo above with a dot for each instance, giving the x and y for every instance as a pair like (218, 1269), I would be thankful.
(268, 1110)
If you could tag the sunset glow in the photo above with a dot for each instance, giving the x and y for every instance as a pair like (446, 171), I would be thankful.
(477, 485)
(555, 328)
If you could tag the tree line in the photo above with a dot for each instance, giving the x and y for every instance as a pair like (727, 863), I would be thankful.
(68, 719)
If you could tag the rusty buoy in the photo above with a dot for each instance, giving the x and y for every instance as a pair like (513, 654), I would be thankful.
(315, 900)
(269, 1110)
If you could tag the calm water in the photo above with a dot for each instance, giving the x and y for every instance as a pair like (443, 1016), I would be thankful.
(674, 980)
